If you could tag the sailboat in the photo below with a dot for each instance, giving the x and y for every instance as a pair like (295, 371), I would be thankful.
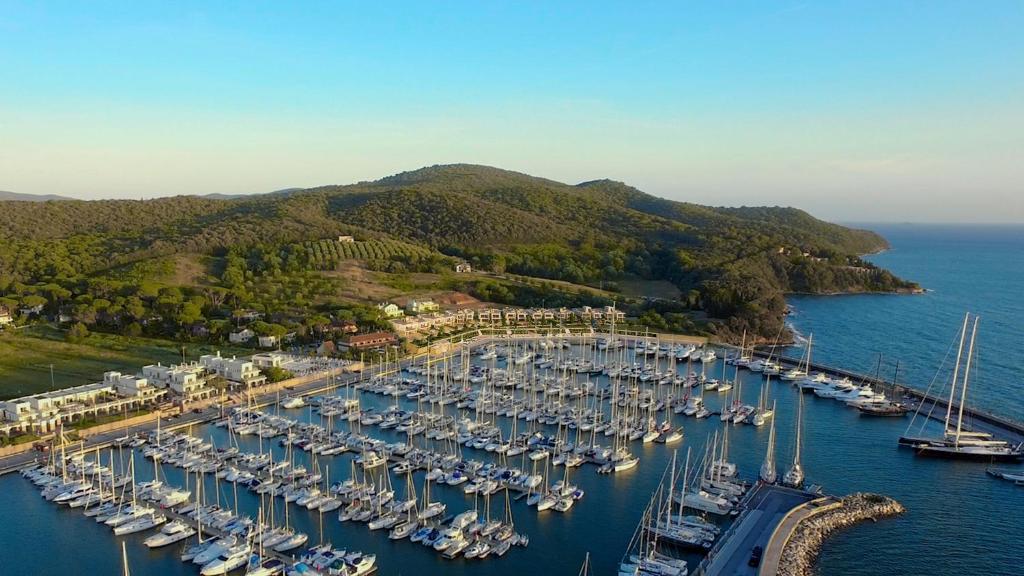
(643, 558)
(794, 477)
(768, 474)
(676, 528)
(880, 405)
(956, 441)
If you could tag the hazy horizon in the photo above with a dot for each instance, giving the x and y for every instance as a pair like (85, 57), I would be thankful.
(912, 113)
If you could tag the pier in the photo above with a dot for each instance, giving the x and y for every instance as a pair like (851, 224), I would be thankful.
(766, 508)
(930, 405)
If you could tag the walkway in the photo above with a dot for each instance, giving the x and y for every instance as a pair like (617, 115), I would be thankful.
(766, 507)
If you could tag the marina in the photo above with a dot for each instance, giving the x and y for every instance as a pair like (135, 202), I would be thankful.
(514, 440)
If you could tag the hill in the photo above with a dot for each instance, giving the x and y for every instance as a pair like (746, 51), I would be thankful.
(735, 264)
(14, 196)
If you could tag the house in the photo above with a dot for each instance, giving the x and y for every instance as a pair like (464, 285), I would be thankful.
(463, 268)
(370, 341)
(326, 348)
(421, 306)
(31, 310)
(613, 313)
(246, 315)
(390, 310)
(242, 336)
(346, 239)
(5, 315)
(268, 341)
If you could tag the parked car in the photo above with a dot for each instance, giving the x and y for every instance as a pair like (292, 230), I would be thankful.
(755, 556)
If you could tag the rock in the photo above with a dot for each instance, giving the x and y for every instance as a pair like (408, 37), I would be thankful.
(803, 546)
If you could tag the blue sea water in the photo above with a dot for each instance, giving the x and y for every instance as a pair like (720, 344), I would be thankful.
(979, 269)
(959, 520)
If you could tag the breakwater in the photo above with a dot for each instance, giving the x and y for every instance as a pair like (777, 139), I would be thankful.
(802, 547)
(931, 405)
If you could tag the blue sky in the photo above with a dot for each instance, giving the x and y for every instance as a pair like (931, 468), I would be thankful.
(867, 111)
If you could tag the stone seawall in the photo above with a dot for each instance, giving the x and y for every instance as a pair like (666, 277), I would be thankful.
(802, 548)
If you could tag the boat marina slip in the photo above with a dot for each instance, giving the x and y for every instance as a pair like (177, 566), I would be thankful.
(505, 455)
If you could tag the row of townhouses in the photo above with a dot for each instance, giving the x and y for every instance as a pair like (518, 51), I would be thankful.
(117, 393)
(492, 316)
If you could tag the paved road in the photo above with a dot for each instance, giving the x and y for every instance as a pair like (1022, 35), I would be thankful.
(766, 508)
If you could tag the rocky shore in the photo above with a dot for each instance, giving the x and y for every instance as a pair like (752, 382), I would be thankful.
(803, 546)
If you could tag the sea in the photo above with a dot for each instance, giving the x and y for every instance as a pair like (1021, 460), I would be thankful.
(959, 520)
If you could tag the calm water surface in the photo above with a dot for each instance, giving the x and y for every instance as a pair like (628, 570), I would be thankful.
(959, 522)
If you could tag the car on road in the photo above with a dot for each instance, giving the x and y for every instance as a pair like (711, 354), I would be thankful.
(755, 556)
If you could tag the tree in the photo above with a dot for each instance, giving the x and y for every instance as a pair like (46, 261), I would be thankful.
(77, 333)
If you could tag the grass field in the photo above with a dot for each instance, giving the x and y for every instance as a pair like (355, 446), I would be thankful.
(26, 356)
(639, 288)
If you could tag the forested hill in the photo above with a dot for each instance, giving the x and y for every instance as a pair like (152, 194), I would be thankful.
(734, 263)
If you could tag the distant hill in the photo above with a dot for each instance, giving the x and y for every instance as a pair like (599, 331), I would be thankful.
(733, 263)
(16, 197)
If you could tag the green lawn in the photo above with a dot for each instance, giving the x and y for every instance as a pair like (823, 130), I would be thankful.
(26, 356)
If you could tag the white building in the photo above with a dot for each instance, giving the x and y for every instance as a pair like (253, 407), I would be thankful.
(269, 360)
(242, 336)
(186, 380)
(269, 341)
(130, 386)
(234, 370)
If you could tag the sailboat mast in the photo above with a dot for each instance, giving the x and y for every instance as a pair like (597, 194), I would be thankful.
(956, 371)
(799, 426)
(963, 392)
(671, 488)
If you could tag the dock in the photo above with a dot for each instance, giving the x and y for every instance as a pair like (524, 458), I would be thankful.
(930, 405)
(767, 510)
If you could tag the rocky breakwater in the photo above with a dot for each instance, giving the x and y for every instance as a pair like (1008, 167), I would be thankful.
(803, 546)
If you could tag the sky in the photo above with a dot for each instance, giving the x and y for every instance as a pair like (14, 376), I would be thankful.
(855, 111)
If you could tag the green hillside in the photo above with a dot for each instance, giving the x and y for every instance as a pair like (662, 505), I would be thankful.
(732, 263)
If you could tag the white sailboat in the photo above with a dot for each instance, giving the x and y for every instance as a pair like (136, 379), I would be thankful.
(957, 441)
(794, 477)
(768, 474)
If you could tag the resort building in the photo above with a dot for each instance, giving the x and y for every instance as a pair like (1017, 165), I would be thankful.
(186, 380)
(43, 413)
(239, 372)
(370, 341)
(131, 386)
